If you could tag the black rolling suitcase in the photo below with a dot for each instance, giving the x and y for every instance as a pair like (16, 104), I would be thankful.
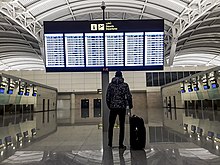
(137, 133)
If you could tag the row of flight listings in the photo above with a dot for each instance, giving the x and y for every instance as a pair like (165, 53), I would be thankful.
(75, 51)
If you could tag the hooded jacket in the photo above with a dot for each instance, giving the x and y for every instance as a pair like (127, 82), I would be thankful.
(118, 94)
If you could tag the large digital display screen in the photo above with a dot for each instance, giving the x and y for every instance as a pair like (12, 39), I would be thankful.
(104, 45)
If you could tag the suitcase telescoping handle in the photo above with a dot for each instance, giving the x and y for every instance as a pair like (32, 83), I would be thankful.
(128, 111)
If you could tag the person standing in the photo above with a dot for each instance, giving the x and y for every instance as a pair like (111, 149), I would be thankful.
(118, 96)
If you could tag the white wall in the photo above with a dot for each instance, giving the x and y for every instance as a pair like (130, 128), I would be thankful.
(76, 82)
(173, 90)
(89, 81)
(154, 106)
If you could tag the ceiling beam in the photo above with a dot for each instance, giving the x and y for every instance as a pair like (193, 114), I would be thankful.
(190, 14)
(18, 13)
(72, 14)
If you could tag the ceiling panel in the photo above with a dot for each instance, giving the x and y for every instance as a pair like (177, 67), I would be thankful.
(62, 12)
(27, 2)
(47, 5)
(174, 5)
(160, 14)
(199, 33)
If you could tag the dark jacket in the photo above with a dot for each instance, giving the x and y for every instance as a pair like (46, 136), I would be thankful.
(117, 93)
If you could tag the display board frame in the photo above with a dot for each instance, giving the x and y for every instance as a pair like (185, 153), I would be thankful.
(75, 46)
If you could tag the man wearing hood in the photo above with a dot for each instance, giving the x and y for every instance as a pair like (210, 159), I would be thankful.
(118, 96)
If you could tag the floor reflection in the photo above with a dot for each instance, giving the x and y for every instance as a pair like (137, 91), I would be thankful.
(89, 147)
(153, 156)
(162, 134)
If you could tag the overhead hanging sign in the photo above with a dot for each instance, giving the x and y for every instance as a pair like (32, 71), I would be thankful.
(104, 45)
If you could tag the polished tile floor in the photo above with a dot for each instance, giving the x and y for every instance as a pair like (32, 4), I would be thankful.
(80, 145)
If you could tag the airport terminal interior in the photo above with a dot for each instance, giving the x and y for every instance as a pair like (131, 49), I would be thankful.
(57, 58)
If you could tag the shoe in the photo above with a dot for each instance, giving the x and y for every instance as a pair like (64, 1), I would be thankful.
(122, 147)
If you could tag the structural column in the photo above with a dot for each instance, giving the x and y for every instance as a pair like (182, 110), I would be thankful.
(72, 108)
(105, 110)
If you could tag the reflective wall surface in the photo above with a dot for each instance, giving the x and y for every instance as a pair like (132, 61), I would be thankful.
(27, 112)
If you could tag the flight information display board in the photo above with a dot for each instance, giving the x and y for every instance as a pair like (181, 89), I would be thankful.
(74, 50)
(114, 44)
(54, 50)
(94, 44)
(134, 43)
(104, 45)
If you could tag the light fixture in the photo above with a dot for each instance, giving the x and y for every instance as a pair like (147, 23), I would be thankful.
(10, 87)
(2, 89)
(182, 87)
(214, 83)
(190, 89)
(193, 129)
(99, 91)
(34, 92)
(210, 135)
(205, 83)
(20, 88)
(27, 91)
(185, 127)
